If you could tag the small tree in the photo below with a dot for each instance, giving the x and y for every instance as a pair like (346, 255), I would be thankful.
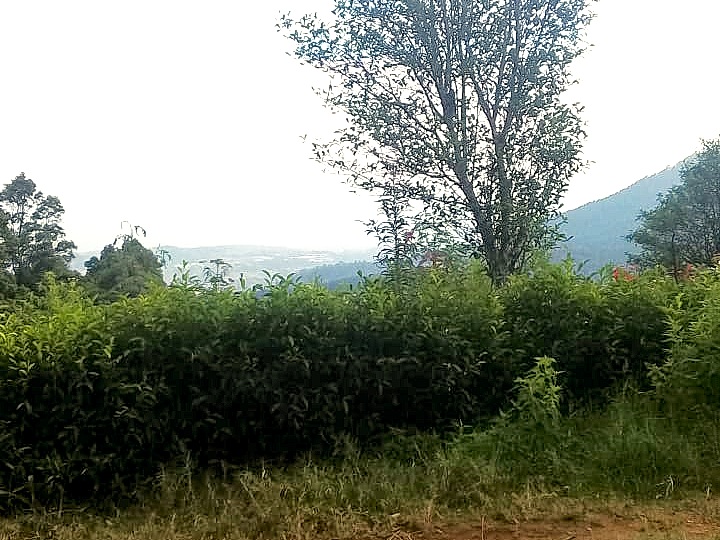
(395, 233)
(125, 268)
(216, 276)
(685, 226)
(33, 240)
(460, 100)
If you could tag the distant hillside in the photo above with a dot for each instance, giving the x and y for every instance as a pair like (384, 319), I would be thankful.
(248, 261)
(338, 274)
(597, 230)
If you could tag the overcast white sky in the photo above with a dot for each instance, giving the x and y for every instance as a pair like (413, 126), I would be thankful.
(185, 117)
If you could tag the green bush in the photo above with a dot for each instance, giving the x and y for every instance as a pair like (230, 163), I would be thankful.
(690, 378)
(96, 399)
(601, 333)
(56, 374)
(433, 343)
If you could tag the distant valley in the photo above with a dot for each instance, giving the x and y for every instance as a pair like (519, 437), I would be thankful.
(596, 236)
(250, 262)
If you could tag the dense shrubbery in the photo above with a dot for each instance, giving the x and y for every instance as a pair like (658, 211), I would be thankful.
(602, 333)
(689, 379)
(95, 399)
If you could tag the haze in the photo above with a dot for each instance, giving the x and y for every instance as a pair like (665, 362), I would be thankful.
(187, 117)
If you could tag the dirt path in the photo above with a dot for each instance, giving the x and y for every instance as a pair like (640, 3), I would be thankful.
(556, 520)
(655, 525)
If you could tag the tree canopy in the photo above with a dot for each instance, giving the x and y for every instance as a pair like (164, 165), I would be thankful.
(127, 270)
(459, 103)
(33, 240)
(685, 226)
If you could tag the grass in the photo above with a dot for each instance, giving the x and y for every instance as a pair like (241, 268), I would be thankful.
(518, 469)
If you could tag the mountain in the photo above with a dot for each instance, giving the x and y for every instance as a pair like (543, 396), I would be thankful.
(596, 231)
(596, 234)
(339, 274)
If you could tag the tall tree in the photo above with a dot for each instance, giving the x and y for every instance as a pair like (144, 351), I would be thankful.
(34, 242)
(461, 101)
(685, 226)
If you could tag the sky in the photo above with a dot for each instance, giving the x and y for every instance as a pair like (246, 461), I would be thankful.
(187, 118)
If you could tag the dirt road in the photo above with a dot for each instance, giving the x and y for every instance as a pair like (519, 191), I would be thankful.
(656, 525)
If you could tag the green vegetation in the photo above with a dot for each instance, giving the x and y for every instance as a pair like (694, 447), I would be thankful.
(456, 107)
(685, 226)
(33, 242)
(481, 384)
(439, 391)
(128, 270)
(291, 409)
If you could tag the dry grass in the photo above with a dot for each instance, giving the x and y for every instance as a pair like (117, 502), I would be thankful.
(549, 517)
(361, 499)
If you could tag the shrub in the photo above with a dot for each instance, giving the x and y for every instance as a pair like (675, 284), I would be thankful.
(690, 378)
(56, 374)
(601, 333)
(96, 399)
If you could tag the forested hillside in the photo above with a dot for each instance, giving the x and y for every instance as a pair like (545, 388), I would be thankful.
(597, 231)
(339, 274)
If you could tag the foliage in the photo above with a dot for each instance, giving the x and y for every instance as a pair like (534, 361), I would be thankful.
(128, 270)
(538, 398)
(33, 240)
(435, 334)
(458, 103)
(600, 333)
(629, 464)
(685, 226)
(396, 233)
(97, 399)
(55, 387)
(216, 275)
(230, 376)
(407, 242)
(596, 233)
(690, 378)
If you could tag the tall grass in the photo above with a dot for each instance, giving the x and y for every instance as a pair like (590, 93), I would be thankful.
(628, 452)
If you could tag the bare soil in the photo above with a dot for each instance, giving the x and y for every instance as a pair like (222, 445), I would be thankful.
(656, 524)
(556, 519)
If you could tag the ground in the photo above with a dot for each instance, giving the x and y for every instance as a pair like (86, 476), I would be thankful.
(596, 520)
(653, 524)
